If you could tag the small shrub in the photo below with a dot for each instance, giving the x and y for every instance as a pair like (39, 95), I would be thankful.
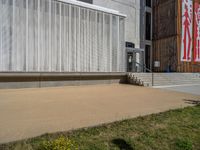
(61, 143)
(183, 144)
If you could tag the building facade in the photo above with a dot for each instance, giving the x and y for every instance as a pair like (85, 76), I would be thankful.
(72, 36)
(132, 9)
(138, 32)
(60, 36)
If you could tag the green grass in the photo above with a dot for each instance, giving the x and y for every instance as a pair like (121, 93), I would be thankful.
(172, 130)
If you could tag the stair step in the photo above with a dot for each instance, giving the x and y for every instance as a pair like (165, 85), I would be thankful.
(160, 79)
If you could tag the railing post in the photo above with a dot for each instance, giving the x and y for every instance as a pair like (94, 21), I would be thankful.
(152, 78)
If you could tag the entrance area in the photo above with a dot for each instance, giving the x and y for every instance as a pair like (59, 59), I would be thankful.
(135, 60)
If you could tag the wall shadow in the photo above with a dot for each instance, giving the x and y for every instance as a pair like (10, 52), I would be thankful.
(122, 144)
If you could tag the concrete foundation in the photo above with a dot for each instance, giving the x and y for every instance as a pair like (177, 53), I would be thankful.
(39, 80)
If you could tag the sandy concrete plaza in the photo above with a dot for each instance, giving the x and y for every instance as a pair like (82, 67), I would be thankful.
(27, 113)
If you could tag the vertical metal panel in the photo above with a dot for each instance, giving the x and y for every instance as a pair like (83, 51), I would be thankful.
(70, 39)
(103, 61)
(44, 35)
(78, 41)
(62, 33)
(91, 21)
(66, 27)
(100, 42)
(14, 53)
(87, 41)
(118, 46)
(27, 36)
(111, 38)
(73, 37)
(95, 47)
(114, 43)
(5, 36)
(58, 37)
(90, 39)
(122, 61)
(38, 36)
(50, 36)
(107, 41)
(54, 37)
(82, 39)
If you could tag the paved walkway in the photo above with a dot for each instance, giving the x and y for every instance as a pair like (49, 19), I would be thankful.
(31, 112)
(191, 89)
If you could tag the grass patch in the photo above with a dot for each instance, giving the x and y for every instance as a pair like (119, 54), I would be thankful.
(172, 130)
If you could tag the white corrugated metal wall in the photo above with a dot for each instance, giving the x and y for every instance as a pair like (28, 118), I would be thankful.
(51, 36)
(133, 10)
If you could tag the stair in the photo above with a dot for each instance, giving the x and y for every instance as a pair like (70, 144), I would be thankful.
(163, 79)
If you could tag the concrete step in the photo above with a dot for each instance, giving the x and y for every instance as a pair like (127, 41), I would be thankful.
(164, 78)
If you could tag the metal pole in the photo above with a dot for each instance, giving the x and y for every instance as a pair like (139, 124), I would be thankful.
(152, 78)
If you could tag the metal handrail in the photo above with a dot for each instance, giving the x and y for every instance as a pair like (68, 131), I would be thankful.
(146, 69)
(149, 70)
(144, 66)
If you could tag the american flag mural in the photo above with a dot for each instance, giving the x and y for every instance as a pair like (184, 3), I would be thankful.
(187, 25)
(196, 32)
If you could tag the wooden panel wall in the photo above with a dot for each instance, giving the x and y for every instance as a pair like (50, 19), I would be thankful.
(167, 37)
(165, 51)
(164, 22)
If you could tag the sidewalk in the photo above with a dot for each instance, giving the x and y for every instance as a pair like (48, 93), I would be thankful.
(27, 113)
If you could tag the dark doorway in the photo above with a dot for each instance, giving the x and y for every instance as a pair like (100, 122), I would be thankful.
(148, 56)
(130, 62)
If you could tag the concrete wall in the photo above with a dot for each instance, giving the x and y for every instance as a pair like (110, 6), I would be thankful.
(143, 41)
(143, 10)
(132, 9)
(39, 80)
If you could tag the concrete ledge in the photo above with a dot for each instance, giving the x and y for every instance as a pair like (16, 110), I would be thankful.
(36, 80)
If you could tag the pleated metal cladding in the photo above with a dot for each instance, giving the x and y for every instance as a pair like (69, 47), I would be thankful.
(50, 36)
